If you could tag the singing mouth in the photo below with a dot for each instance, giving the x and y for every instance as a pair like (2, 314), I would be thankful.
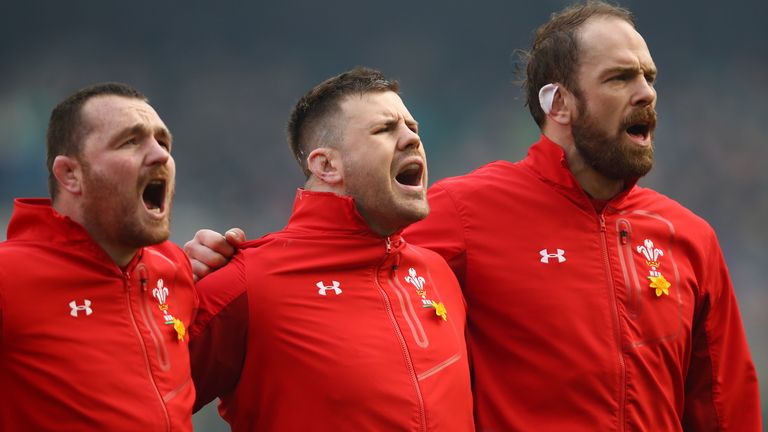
(411, 174)
(154, 196)
(641, 130)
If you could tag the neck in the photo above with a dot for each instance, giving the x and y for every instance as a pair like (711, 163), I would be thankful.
(120, 254)
(381, 228)
(594, 184)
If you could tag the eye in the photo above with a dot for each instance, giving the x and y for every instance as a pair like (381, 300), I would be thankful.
(165, 144)
(382, 129)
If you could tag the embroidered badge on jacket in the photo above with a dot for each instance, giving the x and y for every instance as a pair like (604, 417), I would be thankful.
(419, 282)
(161, 294)
(657, 280)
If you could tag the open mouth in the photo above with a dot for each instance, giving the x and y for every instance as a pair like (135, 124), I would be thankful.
(639, 130)
(154, 196)
(410, 174)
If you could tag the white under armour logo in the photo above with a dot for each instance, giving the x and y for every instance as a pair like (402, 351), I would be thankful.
(545, 255)
(77, 308)
(322, 288)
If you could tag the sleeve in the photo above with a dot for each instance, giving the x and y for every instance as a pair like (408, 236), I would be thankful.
(721, 390)
(217, 343)
(442, 231)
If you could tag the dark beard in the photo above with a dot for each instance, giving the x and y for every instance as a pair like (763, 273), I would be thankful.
(611, 155)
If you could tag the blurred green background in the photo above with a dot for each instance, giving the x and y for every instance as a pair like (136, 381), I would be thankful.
(224, 76)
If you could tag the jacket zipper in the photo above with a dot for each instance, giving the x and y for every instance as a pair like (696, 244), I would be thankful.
(126, 279)
(628, 268)
(157, 335)
(414, 323)
(401, 339)
(616, 321)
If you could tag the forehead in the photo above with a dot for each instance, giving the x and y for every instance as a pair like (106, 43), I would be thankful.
(111, 113)
(372, 106)
(609, 42)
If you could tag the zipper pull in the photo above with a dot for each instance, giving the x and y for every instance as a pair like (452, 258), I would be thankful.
(143, 278)
(602, 222)
(388, 244)
(623, 234)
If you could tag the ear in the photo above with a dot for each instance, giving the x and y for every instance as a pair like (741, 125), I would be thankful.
(563, 106)
(68, 173)
(325, 164)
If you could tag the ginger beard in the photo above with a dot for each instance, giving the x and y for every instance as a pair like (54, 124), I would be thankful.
(614, 155)
(115, 210)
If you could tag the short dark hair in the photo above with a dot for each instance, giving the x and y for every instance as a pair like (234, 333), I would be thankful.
(310, 113)
(66, 128)
(554, 54)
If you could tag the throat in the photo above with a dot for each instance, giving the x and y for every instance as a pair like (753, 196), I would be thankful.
(596, 185)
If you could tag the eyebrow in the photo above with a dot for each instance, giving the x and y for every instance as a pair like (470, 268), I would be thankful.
(142, 129)
(630, 69)
(388, 119)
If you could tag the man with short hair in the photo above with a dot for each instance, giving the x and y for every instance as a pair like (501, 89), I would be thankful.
(336, 322)
(94, 301)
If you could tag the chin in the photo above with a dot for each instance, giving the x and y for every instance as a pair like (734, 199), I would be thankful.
(416, 213)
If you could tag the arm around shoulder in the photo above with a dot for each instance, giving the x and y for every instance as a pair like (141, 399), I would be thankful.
(218, 336)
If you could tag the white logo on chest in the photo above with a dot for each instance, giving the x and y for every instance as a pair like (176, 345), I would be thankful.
(546, 256)
(76, 308)
(322, 288)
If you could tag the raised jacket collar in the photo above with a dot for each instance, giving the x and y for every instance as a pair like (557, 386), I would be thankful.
(546, 160)
(35, 220)
(329, 213)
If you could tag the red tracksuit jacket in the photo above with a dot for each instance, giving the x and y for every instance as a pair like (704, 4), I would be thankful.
(84, 345)
(579, 320)
(326, 326)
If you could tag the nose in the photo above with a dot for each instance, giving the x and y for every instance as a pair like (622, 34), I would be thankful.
(408, 138)
(645, 93)
(158, 153)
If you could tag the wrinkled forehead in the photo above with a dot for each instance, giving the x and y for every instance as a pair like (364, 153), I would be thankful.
(362, 108)
(611, 40)
(106, 113)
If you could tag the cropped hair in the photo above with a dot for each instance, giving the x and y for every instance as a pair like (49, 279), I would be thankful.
(66, 128)
(311, 123)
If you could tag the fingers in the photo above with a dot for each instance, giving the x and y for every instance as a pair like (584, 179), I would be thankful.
(209, 250)
(199, 270)
(235, 236)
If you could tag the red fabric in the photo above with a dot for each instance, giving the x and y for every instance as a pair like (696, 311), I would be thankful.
(119, 367)
(369, 358)
(584, 343)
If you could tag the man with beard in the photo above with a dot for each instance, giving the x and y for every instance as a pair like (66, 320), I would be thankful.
(336, 323)
(593, 304)
(94, 301)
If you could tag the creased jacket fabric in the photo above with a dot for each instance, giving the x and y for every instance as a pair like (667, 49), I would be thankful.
(623, 319)
(325, 326)
(84, 345)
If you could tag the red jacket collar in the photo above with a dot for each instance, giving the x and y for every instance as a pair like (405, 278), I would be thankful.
(35, 219)
(546, 160)
(331, 213)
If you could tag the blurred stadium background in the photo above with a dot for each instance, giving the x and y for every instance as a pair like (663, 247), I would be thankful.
(224, 76)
